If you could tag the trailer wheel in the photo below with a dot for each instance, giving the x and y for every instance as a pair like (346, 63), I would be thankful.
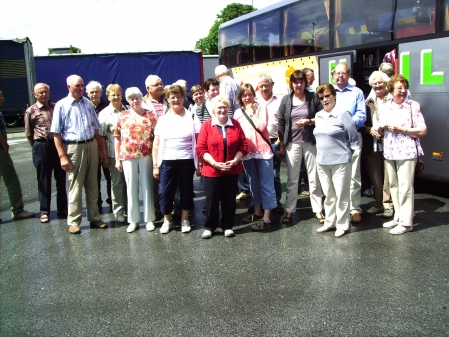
(13, 122)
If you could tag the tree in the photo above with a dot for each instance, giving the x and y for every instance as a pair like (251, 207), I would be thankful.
(209, 44)
(74, 50)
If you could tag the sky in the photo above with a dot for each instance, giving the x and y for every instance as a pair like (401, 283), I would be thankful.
(111, 26)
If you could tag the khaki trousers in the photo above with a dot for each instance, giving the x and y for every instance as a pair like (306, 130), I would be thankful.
(295, 152)
(401, 175)
(118, 189)
(84, 160)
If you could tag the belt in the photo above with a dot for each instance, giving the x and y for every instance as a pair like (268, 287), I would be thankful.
(44, 140)
(77, 141)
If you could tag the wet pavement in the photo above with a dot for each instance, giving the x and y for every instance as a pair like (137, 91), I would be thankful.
(286, 281)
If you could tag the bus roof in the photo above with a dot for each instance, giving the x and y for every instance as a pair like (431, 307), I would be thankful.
(258, 12)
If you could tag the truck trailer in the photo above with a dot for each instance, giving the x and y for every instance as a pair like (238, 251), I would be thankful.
(17, 78)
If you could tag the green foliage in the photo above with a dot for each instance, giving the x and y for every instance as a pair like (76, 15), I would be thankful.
(74, 50)
(50, 51)
(209, 44)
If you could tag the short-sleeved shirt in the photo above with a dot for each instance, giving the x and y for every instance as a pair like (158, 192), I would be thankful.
(136, 133)
(177, 134)
(38, 121)
(74, 120)
(108, 118)
(396, 145)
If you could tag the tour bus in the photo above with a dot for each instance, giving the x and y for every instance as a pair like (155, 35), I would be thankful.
(317, 34)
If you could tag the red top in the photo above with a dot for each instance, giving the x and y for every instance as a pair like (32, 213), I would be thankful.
(210, 140)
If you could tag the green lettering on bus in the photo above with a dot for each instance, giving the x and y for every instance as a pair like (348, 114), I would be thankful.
(404, 64)
(427, 76)
(332, 64)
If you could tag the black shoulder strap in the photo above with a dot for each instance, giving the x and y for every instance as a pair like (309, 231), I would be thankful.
(203, 107)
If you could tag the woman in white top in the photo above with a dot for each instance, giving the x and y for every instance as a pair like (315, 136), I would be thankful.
(174, 157)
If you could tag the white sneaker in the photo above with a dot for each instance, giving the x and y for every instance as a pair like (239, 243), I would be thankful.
(150, 226)
(229, 233)
(207, 234)
(401, 229)
(119, 218)
(132, 227)
(185, 226)
(390, 224)
(165, 227)
(339, 233)
(324, 228)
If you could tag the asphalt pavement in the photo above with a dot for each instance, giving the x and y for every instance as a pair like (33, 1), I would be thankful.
(286, 281)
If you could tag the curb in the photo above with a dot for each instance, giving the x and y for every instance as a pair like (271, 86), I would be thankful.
(15, 135)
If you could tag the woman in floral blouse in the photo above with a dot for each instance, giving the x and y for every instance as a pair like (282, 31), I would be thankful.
(402, 124)
(134, 136)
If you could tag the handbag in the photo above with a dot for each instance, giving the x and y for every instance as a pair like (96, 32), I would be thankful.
(276, 157)
(419, 163)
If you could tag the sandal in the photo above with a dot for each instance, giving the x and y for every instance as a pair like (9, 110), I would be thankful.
(320, 217)
(287, 219)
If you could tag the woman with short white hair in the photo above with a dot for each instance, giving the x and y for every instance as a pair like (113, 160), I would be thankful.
(134, 135)
(372, 140)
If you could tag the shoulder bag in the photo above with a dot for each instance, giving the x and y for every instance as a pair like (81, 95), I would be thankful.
(276, 158)
(419, 163)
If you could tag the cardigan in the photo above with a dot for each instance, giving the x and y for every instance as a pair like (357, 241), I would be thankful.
(285, 118)
(210, 140)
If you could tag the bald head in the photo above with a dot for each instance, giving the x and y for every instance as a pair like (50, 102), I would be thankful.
(42, 93)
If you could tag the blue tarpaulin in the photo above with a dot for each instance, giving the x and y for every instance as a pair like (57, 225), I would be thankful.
(127, 70)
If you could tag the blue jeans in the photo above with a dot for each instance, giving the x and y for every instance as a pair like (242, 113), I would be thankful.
(243, 183)
(260, 173)
(277, 177)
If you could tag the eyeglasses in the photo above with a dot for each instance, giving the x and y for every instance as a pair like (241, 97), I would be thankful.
(400, 88)
(157, 85)
(325, 96)
(341, 73)
(377, 84)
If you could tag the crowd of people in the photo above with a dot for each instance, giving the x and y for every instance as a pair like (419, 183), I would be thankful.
(232, 135)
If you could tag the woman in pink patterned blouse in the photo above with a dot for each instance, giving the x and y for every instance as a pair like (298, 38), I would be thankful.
(402, 124)
(134, 136)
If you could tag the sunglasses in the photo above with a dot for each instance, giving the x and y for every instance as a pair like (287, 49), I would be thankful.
(325, 96)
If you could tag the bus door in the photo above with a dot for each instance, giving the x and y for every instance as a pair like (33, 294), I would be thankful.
(425, 64)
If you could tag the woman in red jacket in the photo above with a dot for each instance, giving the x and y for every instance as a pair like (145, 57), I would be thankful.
(221, 144)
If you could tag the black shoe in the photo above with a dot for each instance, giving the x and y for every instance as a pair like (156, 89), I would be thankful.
(251, 209)
(260, 226)
(278, 210)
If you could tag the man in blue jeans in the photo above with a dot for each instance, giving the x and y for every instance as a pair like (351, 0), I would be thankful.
(271, 102)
